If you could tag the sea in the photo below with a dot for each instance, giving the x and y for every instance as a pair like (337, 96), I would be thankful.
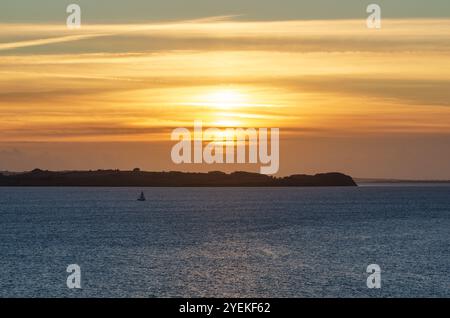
(225, 242)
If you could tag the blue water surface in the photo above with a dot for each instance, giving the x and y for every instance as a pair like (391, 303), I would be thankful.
(225, 242)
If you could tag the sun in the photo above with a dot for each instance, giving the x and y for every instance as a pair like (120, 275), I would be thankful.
(225, 99)
(221, 106)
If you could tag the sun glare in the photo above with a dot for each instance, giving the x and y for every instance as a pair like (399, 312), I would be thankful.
(225, 99)
(221, 107)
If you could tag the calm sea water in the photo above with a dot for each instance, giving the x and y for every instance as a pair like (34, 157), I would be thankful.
(225, 242)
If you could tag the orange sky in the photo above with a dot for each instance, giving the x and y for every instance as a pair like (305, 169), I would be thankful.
(335, 89)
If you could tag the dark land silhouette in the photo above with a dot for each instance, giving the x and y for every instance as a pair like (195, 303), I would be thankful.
(137, 178)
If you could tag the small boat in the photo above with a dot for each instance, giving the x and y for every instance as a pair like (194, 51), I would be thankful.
(141, 197)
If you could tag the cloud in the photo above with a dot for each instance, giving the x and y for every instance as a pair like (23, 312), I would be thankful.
(128, 82)
(40, 42)
(216, 34)
(401, 90)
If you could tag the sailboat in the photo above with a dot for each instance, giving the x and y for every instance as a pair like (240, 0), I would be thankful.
(141, 197)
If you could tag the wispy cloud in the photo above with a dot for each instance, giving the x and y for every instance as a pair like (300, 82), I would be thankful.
(216, 33)
(131, 82)
(40, 42)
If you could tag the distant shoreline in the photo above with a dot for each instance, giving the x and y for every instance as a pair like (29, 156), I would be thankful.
(397, 181)
(137, 178)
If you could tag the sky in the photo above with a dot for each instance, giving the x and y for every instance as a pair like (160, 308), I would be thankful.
(370, 103)
(114, 11)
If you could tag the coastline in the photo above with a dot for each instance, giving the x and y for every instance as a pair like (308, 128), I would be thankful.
(137, 178)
